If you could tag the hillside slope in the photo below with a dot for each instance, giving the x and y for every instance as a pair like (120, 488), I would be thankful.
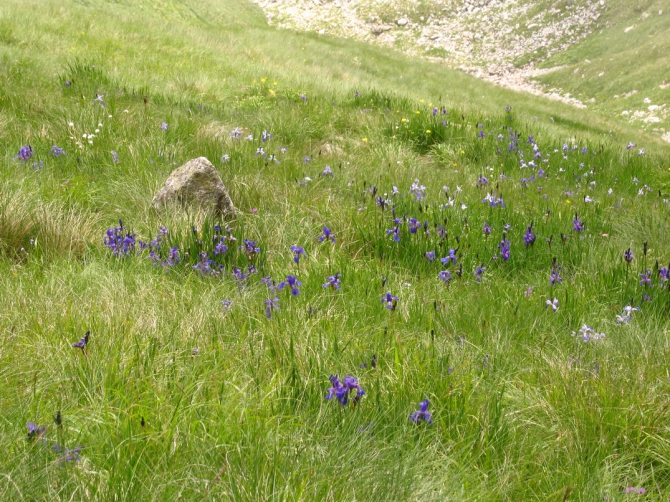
(588, 53)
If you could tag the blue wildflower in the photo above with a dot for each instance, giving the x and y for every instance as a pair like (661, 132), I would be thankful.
(333, 281)
(422, 414)
(342, 389)
(57, 152)
(327, 235)
(297, 252)
(292, 282)
(83, 342)
(270, 305)
(25, 153)
(445, 276)
(390, 301)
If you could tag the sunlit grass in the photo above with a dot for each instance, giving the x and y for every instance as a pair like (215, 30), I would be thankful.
(179, 395)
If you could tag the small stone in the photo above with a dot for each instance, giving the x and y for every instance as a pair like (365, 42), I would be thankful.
(402, 21)
(196, 183)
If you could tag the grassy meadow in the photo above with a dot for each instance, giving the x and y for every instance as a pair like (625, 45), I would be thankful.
(485, 246)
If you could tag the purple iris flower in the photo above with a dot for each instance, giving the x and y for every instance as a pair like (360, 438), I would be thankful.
(57, 152)
(578, 225)
(270, 305)
(479, 271)
(422, 414)
(395, 231)
(164, 127)
(292, 282)
(68, 455)
(555, 277)
(83, 341)
(173, 257)
(304, 98)
(342, 389)
(504, 247)
(482, 181)
(35, 431)
(117, 242)
(225, 305)
(486, 229)
(266, 136)
(327, 172)
(297, 252)
(628, 256)
(645, 278)
(333, 281)
(220, 247)
(413, 225)
(529, 237)
(664, 274)
(115, 157)
(390, 301)
(445, 276)
(327, 235)
(25, 153)
(430, 256)
(250, 249)
(634, 489)
(450, 258)
(204, 265)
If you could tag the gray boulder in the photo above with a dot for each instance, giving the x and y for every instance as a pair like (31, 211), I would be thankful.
(196, 183)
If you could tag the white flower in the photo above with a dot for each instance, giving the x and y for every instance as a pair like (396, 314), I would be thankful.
(464, 207)
(610, 191)
(553, 304)
(70, 124)
(587, 333)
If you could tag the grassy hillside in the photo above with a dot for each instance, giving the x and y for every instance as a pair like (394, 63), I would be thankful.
(498, 222)
(624, 67)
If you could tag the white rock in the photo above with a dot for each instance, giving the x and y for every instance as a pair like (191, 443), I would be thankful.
(402, 21)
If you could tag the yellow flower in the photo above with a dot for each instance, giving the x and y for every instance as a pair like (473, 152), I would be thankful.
(417, 112)
(568, 202)
(264, 79)
(427, 131)
(455, 165)
(272, 93)
(274, 83)
(421, 100)
(403, 119)
(365, 140)
(462, 152)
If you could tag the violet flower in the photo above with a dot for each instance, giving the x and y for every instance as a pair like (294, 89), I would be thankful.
(529, 237)
(451, 257)
(270, 305)
(445, 276)
(628, 256)
(25, 153)
(342, 389)
(83, 341)
(422, 414)
(292, 282)
(297, 252)
(327, 235)
(57, 152)
(390, 301)
(333, 281)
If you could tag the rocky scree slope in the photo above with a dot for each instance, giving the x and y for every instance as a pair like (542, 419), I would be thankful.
(501, 41)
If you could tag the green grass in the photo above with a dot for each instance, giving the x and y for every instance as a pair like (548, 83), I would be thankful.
(521, 409)
(627, 52)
